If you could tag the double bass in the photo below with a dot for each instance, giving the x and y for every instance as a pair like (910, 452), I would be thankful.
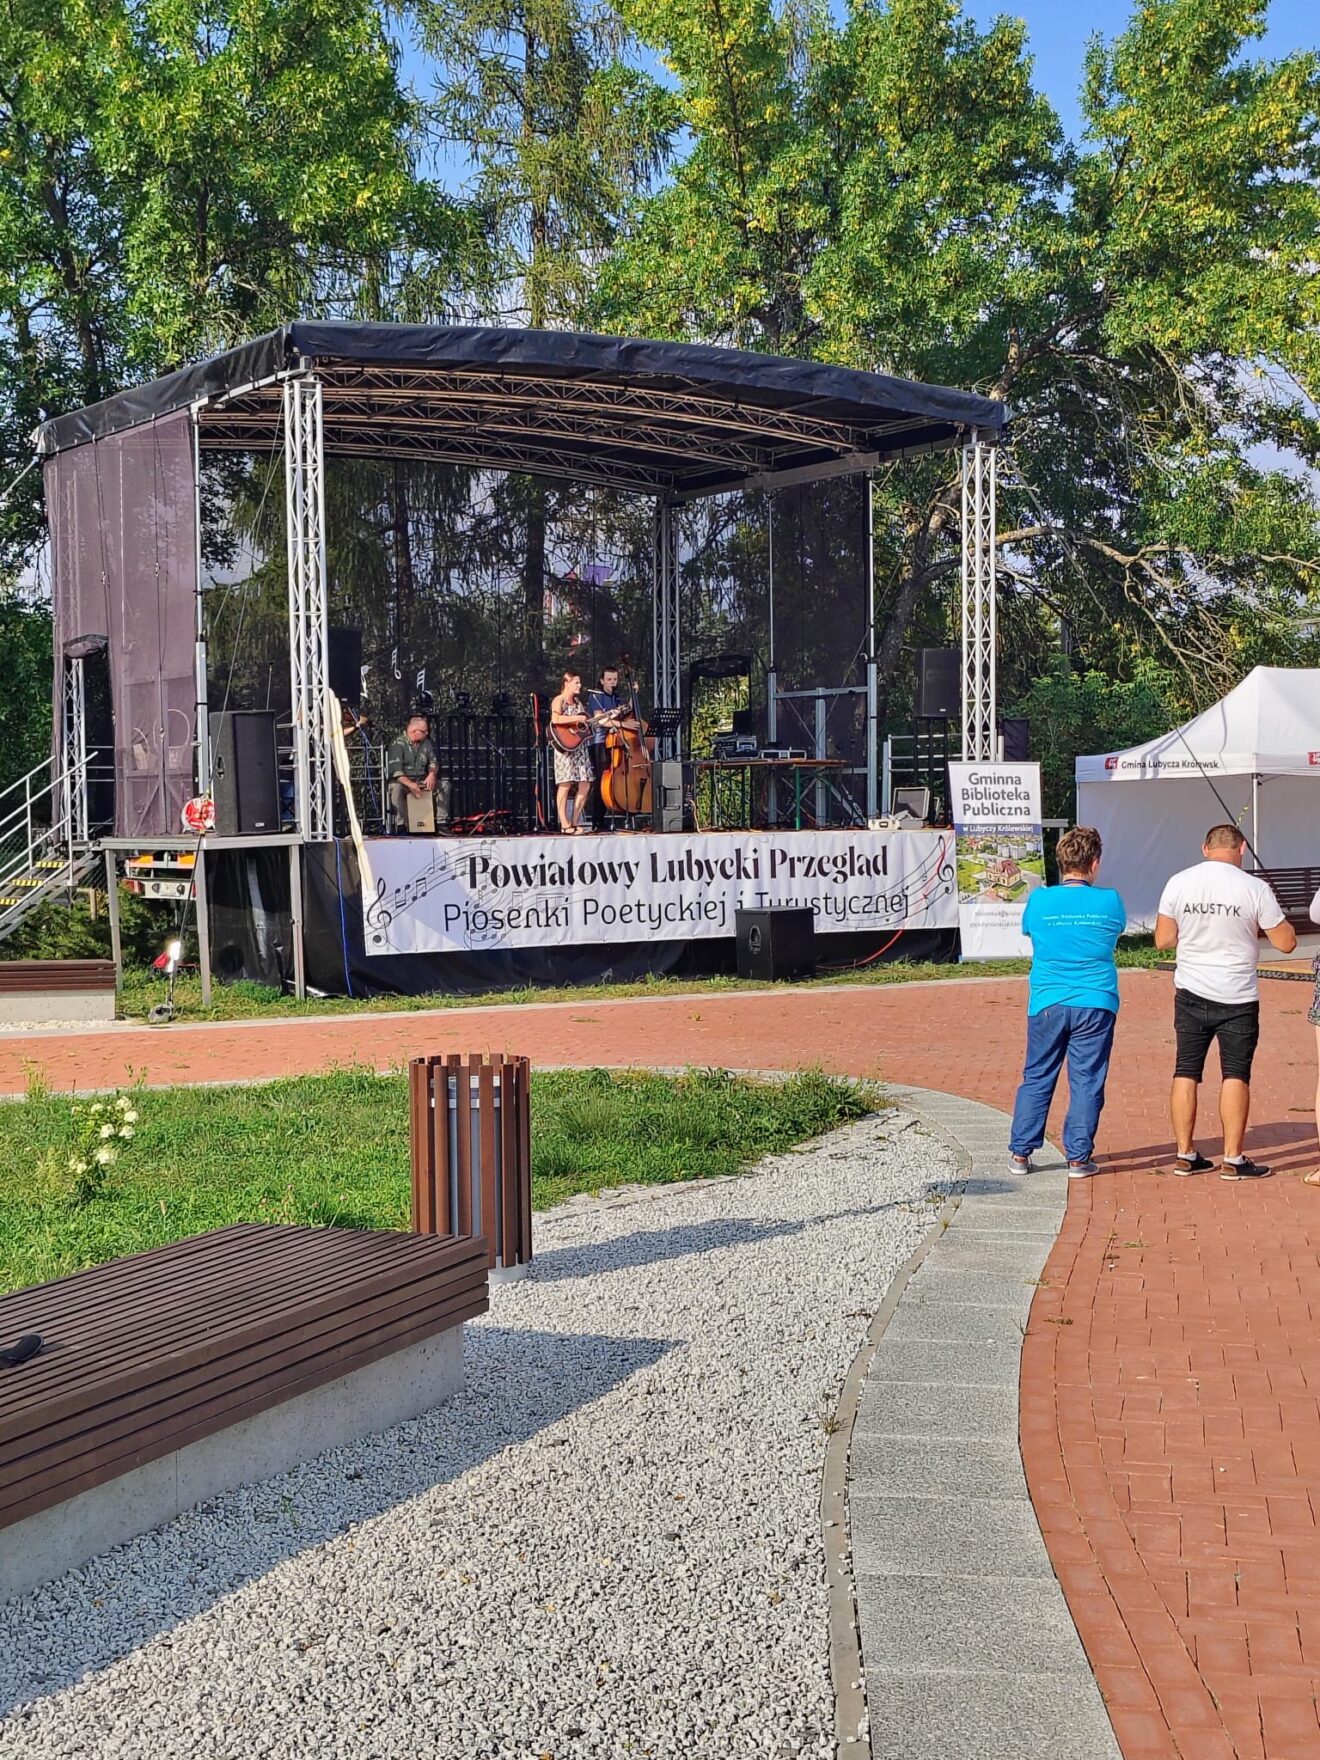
(625, 783)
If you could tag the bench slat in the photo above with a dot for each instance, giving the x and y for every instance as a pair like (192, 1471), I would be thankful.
(46, 1447)
(207, 1417)
(149, 1353)
(182, 1326)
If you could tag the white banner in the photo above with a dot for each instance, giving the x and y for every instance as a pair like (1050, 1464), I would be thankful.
(1001, 854)
(448, 895)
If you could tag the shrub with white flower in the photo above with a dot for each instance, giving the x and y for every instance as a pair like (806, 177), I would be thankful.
(100, 1128)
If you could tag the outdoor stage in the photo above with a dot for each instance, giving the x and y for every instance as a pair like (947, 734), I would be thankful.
(154, 674)
(410, 915)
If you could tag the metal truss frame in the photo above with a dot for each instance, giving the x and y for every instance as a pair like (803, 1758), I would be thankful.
(641, 438)
(665, 613)
(979, 645)
(304, 476)
(75, 753)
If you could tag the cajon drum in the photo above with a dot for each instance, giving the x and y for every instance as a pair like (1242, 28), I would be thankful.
(419, 810)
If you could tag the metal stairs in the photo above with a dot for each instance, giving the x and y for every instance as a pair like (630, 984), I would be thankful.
(41, 854)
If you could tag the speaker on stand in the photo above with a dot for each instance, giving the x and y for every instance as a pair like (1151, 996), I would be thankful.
(343, 663)
(245, 787)
(939, 685)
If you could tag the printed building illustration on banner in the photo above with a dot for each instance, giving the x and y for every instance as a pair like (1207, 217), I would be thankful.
(1001, 854)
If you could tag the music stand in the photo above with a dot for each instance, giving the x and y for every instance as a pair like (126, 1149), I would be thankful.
(665, 724)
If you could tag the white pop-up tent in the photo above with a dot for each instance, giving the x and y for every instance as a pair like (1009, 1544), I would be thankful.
(1254, 758)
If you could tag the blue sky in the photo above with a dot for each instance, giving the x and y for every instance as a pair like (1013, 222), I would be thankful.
(1058, 32)
(1057, 35)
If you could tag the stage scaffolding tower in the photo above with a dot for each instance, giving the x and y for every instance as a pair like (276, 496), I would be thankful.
(304, 471)
(665, 609)
(979, 658)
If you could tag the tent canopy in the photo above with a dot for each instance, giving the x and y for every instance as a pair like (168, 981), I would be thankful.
(1253, 758)
(674, 419)
(1268, 726)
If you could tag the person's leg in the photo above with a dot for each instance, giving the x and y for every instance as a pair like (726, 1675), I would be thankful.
(599, 755)
(1090, 1041)
(1182, 1111)
(1238, 1034)
(398, 811)
(562, 792)
(581, 794)
(1234, 1108)
(1047, 1043)
(1193, 1032)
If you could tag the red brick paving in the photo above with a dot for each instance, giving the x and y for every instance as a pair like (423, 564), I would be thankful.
(1170, 1403)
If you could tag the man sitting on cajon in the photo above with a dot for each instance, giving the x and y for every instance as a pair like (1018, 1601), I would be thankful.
(413, 767)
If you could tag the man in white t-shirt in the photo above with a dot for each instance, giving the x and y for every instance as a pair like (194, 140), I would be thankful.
(1214, 914)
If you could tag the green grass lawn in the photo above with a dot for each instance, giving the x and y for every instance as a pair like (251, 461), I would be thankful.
(334, 1149)
(245, 1001)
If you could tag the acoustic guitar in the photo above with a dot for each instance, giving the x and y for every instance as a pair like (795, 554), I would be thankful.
(568, 736)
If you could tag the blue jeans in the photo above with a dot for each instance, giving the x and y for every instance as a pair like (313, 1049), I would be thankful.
(1085, 1036)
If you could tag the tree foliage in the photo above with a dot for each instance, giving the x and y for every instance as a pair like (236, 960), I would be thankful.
(891, 192)
(881, 186)
(176, 175)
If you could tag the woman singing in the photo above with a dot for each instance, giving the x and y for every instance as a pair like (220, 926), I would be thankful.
(572, 769)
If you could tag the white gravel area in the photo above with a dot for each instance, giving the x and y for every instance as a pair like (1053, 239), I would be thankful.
(608, 1546)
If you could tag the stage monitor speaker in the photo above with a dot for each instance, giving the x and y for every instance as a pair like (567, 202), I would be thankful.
(343, 663)
(245, 783)
(667, 795)
(939, 686)
(1015, 730)
(775, 944)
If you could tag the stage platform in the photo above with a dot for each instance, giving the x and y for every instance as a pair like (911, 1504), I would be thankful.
(465, 915)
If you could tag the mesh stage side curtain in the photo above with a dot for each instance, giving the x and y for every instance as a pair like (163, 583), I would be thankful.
(124, 548)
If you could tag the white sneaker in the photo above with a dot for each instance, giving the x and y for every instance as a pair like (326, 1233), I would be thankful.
(1082, 1169)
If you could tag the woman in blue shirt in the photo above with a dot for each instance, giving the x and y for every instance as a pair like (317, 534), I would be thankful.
(1072, 1003)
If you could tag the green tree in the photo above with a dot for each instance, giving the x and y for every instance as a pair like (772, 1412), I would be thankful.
(178, 174)
(1072, 712)
(561, 134)
(892, 193)
(25, 638)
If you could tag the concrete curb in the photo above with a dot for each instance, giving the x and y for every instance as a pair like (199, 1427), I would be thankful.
(847, 1668)
(950, 1635)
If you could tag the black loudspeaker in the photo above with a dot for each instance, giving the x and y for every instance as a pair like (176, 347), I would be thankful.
(1015, 730)
(776, 944)
(343, 664)
(939, 687)
(245, 785)
(667, 795)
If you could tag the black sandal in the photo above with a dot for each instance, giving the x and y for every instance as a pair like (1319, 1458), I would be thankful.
(14, 1354)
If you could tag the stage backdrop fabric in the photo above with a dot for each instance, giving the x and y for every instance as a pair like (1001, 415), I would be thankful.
(434, 895)
(124, 549)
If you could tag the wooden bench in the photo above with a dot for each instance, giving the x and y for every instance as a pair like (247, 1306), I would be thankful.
(1295, 888)
(57, 990)
(178, 1373)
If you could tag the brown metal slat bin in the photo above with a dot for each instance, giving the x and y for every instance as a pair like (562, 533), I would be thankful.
(472, 1154)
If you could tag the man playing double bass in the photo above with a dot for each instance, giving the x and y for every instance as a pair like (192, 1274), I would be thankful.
(604, 700)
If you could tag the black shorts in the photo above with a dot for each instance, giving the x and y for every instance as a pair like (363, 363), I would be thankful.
(1197, 1022)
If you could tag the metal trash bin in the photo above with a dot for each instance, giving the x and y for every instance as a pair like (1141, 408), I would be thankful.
(472, 1154)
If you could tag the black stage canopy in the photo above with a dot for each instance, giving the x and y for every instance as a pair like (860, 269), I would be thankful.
(675, 419)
